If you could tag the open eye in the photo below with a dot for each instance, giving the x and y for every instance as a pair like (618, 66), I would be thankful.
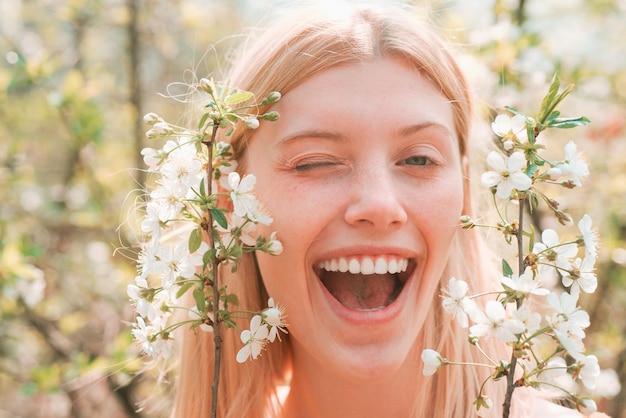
(416, 160)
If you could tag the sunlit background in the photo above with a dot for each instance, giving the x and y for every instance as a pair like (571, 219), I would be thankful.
(76, 76)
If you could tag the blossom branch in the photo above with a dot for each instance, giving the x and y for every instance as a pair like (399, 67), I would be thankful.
(515, 174)
(170, 264)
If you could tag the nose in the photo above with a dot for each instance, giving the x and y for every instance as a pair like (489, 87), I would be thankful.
(375, 200)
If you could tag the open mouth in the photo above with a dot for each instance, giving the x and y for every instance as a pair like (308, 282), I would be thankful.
(365, 283)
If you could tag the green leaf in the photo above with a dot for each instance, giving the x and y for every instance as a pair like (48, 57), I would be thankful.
(195, 239)
(553, 116)
(183, 289)
(507, 271)
(231, 299)
(533, 202)
(219, 217)
(236, 251)
(202, 189)
(531, 170)
(548, 102)
(202, 121)
(566, 123)
(238, 96)
(513, 110)
(198, 296)
(206, 258)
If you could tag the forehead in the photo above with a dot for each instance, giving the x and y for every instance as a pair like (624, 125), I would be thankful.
(382, 92)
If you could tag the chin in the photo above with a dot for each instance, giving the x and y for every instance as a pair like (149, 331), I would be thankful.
(374, 363)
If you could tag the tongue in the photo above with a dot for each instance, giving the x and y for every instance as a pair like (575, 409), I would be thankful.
(360, 292)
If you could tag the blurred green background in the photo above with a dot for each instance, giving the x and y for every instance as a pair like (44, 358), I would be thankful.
(76, 76)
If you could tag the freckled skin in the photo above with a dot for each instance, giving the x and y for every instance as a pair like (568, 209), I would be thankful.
(364, 160)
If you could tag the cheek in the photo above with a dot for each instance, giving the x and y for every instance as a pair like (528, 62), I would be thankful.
(299, 217)
(437, 214)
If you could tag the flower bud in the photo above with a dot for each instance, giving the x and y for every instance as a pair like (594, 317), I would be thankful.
(271, 116)
(206, 85)
(587, 406)
(554, 173)
(432, 361)
(162, 128)
(151, 118)
(274, 246)
(251, 123)
(273, 97)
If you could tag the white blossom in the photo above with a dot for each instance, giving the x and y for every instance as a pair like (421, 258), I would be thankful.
(179, 263)
(530, 319)
(432, 361)
(552, 251)
(589, 371)
(504, 125)
(274, 317)
(524, 284)
(244, 201)
(507, 174)
(589, 235)
(457, 303)
(183, 167)
(496, 323)
(574, 164)
(151, 223)
(152, 158)
(581, 277)
(254, 339)
(554, 370)
(146, 307)
(147, 261)
(151, 338)
(568, 315)
(169, 199)
(568, 322)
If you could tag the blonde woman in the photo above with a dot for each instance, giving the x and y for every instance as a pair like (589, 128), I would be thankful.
(366, 168)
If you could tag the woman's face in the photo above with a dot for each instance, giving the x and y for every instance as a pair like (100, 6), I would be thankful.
(363, 178)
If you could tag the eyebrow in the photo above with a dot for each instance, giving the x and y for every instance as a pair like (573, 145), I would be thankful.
(317, 133)
(413, 129)
(311, 133)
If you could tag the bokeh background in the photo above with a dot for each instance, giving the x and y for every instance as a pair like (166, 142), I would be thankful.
(76, 76)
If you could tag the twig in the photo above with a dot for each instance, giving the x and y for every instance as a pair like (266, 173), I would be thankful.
(214, 262)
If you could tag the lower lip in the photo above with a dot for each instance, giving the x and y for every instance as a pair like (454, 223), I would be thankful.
(374, 317)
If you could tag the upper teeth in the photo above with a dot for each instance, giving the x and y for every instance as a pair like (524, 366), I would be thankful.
(366, 265)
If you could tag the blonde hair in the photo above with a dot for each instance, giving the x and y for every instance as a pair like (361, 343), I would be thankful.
(281, 58)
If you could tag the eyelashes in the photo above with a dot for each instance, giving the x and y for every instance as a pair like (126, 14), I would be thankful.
(417, 160)
(316, 162)
(311, 165)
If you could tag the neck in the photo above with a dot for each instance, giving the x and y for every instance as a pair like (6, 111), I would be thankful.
(319, 392)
